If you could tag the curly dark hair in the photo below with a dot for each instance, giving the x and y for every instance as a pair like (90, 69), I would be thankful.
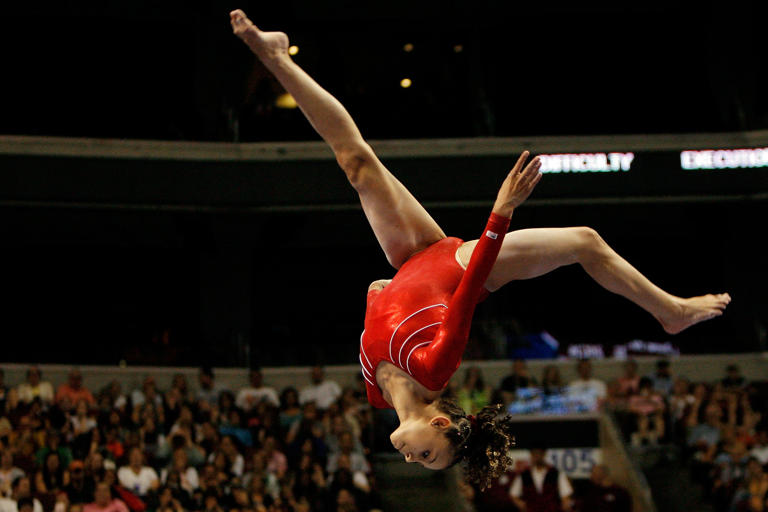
(481, 443)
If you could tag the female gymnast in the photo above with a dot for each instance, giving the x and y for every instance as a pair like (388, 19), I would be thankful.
(417, 324)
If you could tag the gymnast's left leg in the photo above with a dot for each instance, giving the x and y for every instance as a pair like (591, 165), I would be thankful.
(529, 253)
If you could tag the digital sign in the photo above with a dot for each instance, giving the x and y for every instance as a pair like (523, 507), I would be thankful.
(586, 162)
(724, 158)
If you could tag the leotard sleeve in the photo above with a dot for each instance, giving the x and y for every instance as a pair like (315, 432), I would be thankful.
(437, 362)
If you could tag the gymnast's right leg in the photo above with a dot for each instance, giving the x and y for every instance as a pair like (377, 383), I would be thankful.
(401, 225)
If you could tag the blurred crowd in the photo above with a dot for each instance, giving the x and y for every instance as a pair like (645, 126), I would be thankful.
(720, 428)
(73, 449)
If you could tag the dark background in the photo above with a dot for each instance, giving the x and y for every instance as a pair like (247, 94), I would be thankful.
(168, 262)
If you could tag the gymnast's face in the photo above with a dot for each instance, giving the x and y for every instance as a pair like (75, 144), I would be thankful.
(423, 440)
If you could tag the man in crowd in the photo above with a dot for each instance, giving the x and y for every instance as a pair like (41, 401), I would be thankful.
(21, 490)
(73, 390)
(250, 397)
(322, 392)
(208, 391)
(103, 501)
(601, 494)
(35, 387)
(662, 378)
(593, 391)
(519, 378)
(541, 487)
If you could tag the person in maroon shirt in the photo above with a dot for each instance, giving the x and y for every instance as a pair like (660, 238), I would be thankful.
(601, 494)
(433, 431)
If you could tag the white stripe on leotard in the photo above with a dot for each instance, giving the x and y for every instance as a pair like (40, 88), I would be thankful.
(365, 370)
(408, 359)
(406, 319)
(363, 350)
(368, 380)
(414, 333)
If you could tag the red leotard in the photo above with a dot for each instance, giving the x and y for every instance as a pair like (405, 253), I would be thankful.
(420, 321)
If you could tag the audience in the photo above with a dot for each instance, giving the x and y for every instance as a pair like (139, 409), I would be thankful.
(34, 387)
(541, 487)
(519, 378)
(601, 494)
(586, 385)
(73, 391)
(322, 392)
(250, 397)
(473, 394)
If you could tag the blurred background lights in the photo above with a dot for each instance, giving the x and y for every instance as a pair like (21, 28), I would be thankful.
(285, 100)
(458, 48)
(408, 47)
(405, 83)
(293, 50)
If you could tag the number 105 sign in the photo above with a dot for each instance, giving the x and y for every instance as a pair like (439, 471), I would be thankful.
(574, 462)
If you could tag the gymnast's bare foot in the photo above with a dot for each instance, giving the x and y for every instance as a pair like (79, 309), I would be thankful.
(266, 45)
(693, 310)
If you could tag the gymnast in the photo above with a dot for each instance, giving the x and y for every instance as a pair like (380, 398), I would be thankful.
(417, 324)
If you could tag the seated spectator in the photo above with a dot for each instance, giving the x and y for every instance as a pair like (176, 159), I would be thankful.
(81, 486)
(662, 378)
(519, 378)
(733, 380)
(180, 386)
(601, 494)
(21, 491)
(104, 502)
(113, 396)
(290, 411)
(25, 458)
(347, 448)
(234, 463)
(648, 408)
(760, 449)
(147, 394)
(52, 477)
(137, 477)
(234, 426)
(277, 463)
(753, 494)
(473, 394)
(8, 472)
(188, 479)
(73, 390)
(35, 387)
(494, 498)
(586, 386)
(551, 382)
(208, 391)
(629, 382)
(3, 392)
(322, 392)
(249, 397)
(541, 487)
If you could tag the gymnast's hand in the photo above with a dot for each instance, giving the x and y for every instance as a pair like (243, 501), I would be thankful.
(266, 45)
(518, 185)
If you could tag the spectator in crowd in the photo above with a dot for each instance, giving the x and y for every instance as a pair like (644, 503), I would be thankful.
(208, 391)
(662, 378)
(629, 382)
(541, 487)
(356, 459)
(104, 502)
(81, 486)
(248, 398)
(180, 386)
(3, 391)
(495, 498)
(8, 472)
(733, 380)
(53, 443)
(228, 450)
(113, 396)
(473, 394)
(586, 385)
(21, 491)
(648, 407)
(186, 475)
(137, 477)
(147, 394)
(35, 387)
(519, 378)
(52, 476)
(322, 392)
(73, 390)
(760, 449)
(601, 494)
(551, 381)
(290, 410)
